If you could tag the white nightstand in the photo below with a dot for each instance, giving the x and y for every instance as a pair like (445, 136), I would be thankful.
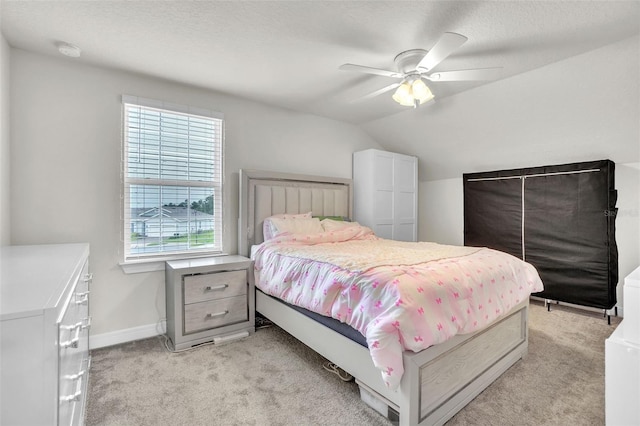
(209, 299)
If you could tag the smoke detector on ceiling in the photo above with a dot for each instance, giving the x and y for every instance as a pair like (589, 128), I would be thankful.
(68, 49)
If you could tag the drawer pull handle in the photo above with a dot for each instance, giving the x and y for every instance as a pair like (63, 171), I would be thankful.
(88, 278)
(71, 327)
(82, 298)
(217, 314)
(216, 288)
(87, 324)
(75, 376)
(73, 343)
(76, 396)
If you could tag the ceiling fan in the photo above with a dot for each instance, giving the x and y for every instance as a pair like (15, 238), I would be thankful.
(416, 65)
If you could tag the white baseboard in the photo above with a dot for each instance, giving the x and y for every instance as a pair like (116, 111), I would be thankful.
(128, 335)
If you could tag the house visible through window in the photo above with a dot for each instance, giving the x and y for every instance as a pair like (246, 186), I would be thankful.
(172, 173)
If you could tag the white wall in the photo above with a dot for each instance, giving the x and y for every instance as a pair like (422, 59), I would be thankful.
(441, 211)
(5, 151)
(65, 169)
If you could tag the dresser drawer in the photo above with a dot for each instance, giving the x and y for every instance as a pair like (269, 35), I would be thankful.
(72, 384)
(73, 351)
(215, 313)
(217, 285)
(71, 376)
(74, 348)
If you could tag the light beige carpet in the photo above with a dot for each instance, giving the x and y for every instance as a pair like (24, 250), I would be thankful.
(271, 379)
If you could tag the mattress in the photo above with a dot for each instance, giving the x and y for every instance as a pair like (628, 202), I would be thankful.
(332, 323)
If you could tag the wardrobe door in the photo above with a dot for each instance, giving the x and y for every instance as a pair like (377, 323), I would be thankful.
(493, 213)
(405, 198)
(385, 196)
(566, 236)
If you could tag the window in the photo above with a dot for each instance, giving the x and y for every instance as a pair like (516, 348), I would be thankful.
(172, 173)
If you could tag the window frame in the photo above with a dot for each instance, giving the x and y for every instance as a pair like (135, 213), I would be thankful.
(142, 262)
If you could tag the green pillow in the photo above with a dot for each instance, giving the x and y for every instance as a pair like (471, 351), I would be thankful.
(340, 218)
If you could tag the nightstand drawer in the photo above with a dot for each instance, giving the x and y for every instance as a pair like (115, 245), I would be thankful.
(216, 285)
(215, 313)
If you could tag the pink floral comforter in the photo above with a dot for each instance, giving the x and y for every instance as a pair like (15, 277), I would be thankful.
(397, 302)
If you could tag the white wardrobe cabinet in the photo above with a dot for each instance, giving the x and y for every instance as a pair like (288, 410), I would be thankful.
(385, 189)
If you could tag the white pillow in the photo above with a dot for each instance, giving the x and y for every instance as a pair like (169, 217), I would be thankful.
(297, 226)
(336, 225)
(269, 230)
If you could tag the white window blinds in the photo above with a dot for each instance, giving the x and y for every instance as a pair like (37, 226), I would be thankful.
(172, 173)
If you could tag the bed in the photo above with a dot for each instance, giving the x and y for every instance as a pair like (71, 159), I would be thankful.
(436, 381)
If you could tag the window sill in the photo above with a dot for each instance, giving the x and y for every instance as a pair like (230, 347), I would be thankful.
(157, 264)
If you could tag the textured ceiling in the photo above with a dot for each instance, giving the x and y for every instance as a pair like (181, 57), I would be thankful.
(287, 53)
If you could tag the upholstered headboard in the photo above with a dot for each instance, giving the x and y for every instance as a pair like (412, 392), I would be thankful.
(263, 194)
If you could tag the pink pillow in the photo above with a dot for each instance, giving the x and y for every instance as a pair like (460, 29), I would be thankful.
(336, 225)
(296, 226)
(269, 230)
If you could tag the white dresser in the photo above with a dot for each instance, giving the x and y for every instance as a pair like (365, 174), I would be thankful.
(44, 334)
(622, 360)
(385, 193)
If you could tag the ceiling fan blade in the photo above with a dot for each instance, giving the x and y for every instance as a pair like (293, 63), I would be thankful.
(378, 92)
(369, 70)
(443, 48)
(465, 75)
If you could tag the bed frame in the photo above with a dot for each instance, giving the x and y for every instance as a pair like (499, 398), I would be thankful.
(438, 381)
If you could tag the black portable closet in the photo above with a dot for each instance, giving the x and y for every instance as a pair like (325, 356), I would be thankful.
(559, 218)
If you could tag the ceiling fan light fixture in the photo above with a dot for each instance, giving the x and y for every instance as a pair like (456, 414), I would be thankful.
(421, 91)
(412, 93)
(403, 95)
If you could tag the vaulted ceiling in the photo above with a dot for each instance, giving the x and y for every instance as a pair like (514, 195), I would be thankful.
(287, 53)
